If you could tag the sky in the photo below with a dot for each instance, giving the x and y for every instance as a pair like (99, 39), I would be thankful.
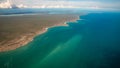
(65, 3)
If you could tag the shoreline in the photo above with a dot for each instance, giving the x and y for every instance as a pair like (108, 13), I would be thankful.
(25, 39)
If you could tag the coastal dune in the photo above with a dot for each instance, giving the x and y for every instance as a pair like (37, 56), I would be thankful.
(18, 30)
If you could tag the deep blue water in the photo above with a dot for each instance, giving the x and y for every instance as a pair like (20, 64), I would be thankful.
(91, 42)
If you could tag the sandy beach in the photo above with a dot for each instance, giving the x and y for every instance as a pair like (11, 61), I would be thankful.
(17, 31)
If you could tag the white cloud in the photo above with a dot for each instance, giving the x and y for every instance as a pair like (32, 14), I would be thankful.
(6, 4)
(22, 6)
(60, 4)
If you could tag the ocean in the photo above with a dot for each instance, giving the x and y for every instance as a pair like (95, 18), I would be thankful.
(93, 41)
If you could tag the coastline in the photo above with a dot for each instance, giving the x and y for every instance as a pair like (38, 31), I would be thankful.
(25, 39)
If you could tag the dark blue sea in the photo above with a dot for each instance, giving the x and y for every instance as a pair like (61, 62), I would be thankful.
(93, 41)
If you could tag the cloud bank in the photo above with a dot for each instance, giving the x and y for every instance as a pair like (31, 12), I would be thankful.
(96, 4)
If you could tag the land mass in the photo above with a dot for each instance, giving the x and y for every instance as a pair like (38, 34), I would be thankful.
(16, 31)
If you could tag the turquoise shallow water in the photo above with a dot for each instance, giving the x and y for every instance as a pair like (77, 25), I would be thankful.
(91, 42)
